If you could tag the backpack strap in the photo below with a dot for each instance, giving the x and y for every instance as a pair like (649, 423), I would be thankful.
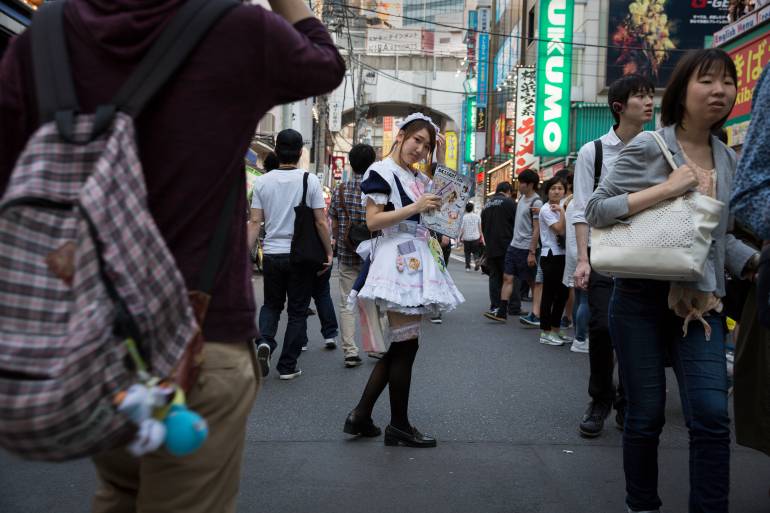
(54, 86)
(178, 39)
(598, 159)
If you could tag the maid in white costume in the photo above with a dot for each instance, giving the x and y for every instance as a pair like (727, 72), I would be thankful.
(407, 276)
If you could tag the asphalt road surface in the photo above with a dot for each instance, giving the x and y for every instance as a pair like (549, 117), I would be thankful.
(504, 408)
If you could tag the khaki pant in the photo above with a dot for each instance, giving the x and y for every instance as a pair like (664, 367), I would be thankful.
(348, 275)
(206, 481)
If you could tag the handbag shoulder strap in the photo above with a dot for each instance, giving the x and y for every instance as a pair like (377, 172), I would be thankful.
(664, 149)
(303, 203)
(598, 160)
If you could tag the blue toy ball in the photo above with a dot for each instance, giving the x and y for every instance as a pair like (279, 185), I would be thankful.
(185, 431)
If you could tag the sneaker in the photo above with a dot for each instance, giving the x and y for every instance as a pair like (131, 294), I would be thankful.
(291, 375)
(263, 358)
(550, 339)
(352, 361)
(310, 312)
(437, 319)
(375, 355)
(592, 423)
(330, 343)
(563, 336)
(530, 321)
(579, 346)
(467, 269)
(497, 315)
(566, 323)
(304, 348)
(477, 268)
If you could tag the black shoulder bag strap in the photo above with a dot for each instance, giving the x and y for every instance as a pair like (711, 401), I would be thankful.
(303, 203)
(598, 159)
(53, 76)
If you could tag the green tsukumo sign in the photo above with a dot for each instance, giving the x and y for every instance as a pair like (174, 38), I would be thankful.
(554, 72)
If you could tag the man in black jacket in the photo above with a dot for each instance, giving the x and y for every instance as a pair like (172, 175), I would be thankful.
(497, 221)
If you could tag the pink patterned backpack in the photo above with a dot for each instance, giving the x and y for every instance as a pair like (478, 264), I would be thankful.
(83, 267)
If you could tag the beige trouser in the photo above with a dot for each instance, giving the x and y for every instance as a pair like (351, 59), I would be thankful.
(348, 275)
(206, 481)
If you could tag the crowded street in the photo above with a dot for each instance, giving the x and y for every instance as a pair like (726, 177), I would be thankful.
(503, 407)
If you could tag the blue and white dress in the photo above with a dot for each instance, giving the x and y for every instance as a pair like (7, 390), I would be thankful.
(405, 275)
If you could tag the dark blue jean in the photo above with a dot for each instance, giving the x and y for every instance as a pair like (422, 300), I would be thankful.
(581, 314)
(325, 306)
(282, 281)
(644, 330)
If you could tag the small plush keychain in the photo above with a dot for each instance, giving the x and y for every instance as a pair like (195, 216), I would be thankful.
(158, 409)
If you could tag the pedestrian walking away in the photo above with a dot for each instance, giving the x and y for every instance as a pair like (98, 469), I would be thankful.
(470, 235)
(497, 221)
(349, 226)
(650, 320)
(630, 100)
(192, 143)
(276, 194)
(406, 278)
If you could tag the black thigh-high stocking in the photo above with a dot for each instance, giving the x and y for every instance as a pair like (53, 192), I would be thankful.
(378, 379)
(401, 359)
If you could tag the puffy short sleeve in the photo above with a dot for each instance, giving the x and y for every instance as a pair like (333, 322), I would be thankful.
(376, 188)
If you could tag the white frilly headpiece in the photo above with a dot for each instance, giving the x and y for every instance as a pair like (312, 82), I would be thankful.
(415, 116)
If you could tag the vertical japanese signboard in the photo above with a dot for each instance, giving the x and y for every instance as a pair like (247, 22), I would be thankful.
(750, 54)
(481, 84)
(524, 145)
(451, 150)
(470, 129)
(554, 77)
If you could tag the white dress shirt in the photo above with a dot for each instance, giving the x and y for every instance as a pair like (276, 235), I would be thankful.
(583, 185)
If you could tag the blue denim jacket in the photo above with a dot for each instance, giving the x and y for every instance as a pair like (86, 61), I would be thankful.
(751, 187)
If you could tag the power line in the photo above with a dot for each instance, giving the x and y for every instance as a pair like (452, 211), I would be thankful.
(520, 37)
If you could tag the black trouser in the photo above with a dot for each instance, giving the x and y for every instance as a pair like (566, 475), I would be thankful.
(472, 247)
(282, 280)
(601, 384)
(495, 265)
(555, 294)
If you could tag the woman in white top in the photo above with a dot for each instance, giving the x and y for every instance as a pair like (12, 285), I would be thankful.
(552, 260)
(407, 277)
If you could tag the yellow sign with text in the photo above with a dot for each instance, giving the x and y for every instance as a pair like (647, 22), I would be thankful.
(451, 150)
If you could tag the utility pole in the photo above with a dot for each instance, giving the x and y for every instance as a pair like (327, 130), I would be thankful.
(322, 108)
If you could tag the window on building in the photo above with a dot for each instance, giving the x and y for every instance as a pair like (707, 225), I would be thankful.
(531, 26)
(578, 54)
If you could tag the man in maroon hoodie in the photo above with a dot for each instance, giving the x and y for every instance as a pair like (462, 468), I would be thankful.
(191, 137)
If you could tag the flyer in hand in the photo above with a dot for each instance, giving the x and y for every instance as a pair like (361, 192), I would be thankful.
(455, 191)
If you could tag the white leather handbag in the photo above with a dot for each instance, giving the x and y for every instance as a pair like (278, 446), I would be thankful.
(669, 241)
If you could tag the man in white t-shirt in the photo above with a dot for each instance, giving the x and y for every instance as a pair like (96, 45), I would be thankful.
(470, 234)
(275, 196)
(630, 99)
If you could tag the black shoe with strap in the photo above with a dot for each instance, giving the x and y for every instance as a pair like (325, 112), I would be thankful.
(593, 421)
(361, 426)
(413, 438)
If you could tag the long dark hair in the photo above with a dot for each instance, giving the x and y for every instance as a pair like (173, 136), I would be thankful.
(672, 108)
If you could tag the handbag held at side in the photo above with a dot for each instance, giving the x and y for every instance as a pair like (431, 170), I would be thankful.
(669, 241)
